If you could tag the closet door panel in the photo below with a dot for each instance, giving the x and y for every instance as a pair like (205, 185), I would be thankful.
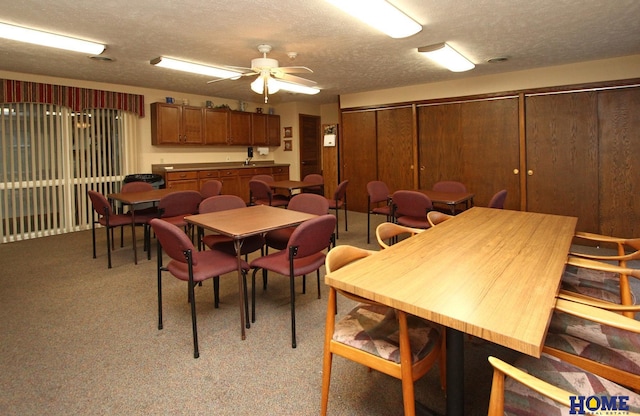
(359, 156)
(395, 148)
(562, 156)
(619, 151)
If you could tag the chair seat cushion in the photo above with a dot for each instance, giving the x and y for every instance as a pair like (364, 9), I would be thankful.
(374, 329)
(225, 244)
(335, 205)
(414, 222)
(209, 264)
(115, 220)
(607, 345)
(386, 210)
(279, 263)
(520, 400)
(595, 283)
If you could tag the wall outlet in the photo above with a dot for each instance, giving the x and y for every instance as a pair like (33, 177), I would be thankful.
(228, 158)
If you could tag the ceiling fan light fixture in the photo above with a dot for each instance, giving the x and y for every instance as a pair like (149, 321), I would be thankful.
(446, 56)
(381, 15)
(185, 66)
(257, 85)
(37, 37)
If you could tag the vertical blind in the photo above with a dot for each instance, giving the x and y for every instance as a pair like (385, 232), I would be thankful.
(49, 157)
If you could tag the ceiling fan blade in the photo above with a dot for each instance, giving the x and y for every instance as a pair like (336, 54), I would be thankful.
(246, 74)
(296, 80)
(294, 69)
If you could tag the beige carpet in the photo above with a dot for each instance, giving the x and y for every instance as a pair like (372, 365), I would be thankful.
(80, 339)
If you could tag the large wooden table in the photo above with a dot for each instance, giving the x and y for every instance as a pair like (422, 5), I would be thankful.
(293, 185)
(242, 223)
(451, 199)
(486, 272)
(135, 198)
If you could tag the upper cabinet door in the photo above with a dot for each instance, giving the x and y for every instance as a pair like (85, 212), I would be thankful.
(239, 128)
(216, 126)
(166, 123)
(192, 125)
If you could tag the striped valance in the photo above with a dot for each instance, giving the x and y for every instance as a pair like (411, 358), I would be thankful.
(78, 99)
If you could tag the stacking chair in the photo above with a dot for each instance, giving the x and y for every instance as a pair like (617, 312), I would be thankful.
(377, 193)
(175, 206)
(191, 266)
(108, 219)
(304, 254)
(436, 217)
(411, 208)
(317, 179)
(447, 186)
(548, 386)
(142, 214)
(278, 239)
(338, 201)
(379, 337)
(497, 200)
(223, 242)
(604, 285)
(260, 193)
(210, 188)
(269, 179)
(389, 231)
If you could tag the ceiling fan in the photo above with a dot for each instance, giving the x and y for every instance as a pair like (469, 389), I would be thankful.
(271, 77)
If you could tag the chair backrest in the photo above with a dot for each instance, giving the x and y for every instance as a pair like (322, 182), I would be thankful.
(309, 203)
(259, 189)
(436, 217)
(378, 191)
(179, 203)
(173, 240)
(449, 186)
(390, 230)
(100, 203)
(221, 203)
(341, 191)
(264, 178)
(210, 188)
(497, 201)
(312, 236)
(411, 203)
(137, 186)
(314, 178)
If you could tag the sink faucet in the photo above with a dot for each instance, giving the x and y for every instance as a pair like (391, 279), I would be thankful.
(247, 161)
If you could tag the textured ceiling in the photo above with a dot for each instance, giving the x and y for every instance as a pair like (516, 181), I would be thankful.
(345, 55)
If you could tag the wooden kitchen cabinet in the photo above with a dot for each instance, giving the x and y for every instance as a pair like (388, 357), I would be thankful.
(173, 124)
(216, 126)
(207, 175)
(265, 129)
(184, 181)
(239, 128)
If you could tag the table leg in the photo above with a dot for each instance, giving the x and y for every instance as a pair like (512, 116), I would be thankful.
(455, 372)
(238, 246)
(133, 235)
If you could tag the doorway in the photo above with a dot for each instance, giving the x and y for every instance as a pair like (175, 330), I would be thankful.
(310, 145)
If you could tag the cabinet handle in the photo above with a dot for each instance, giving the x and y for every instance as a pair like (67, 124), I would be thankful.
(516, 171)
(530, 172)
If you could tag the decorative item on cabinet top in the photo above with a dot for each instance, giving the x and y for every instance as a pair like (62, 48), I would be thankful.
(184, 125)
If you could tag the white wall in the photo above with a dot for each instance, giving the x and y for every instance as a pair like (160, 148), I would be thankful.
(627, 67)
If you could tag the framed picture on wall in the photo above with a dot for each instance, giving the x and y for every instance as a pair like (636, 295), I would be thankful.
(288, 145)
(288, 132)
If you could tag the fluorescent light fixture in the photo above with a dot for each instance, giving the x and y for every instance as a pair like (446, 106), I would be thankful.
(185, 66)
(302, 89)
(36, 37)
(274, 85)
(381, 15)
(445, 55)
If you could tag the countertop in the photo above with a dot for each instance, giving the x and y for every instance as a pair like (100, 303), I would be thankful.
(177, 167)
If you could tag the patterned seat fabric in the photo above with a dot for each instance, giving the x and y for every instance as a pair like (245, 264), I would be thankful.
(374, 329)
(595, 283)
(520, 400)
(607, 345)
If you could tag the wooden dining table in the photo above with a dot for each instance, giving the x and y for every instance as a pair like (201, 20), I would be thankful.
(451, 199)
(244, 222)
(136, 198)
(490, 273)
(291, 186)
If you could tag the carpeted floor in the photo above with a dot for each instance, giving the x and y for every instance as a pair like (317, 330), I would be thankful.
(78, 338)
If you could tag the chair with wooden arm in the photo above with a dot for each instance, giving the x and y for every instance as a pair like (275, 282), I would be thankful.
(593, 335)
(389, 231)
(436, 217)
(377, 336)
(545, 386)
(627, 249)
